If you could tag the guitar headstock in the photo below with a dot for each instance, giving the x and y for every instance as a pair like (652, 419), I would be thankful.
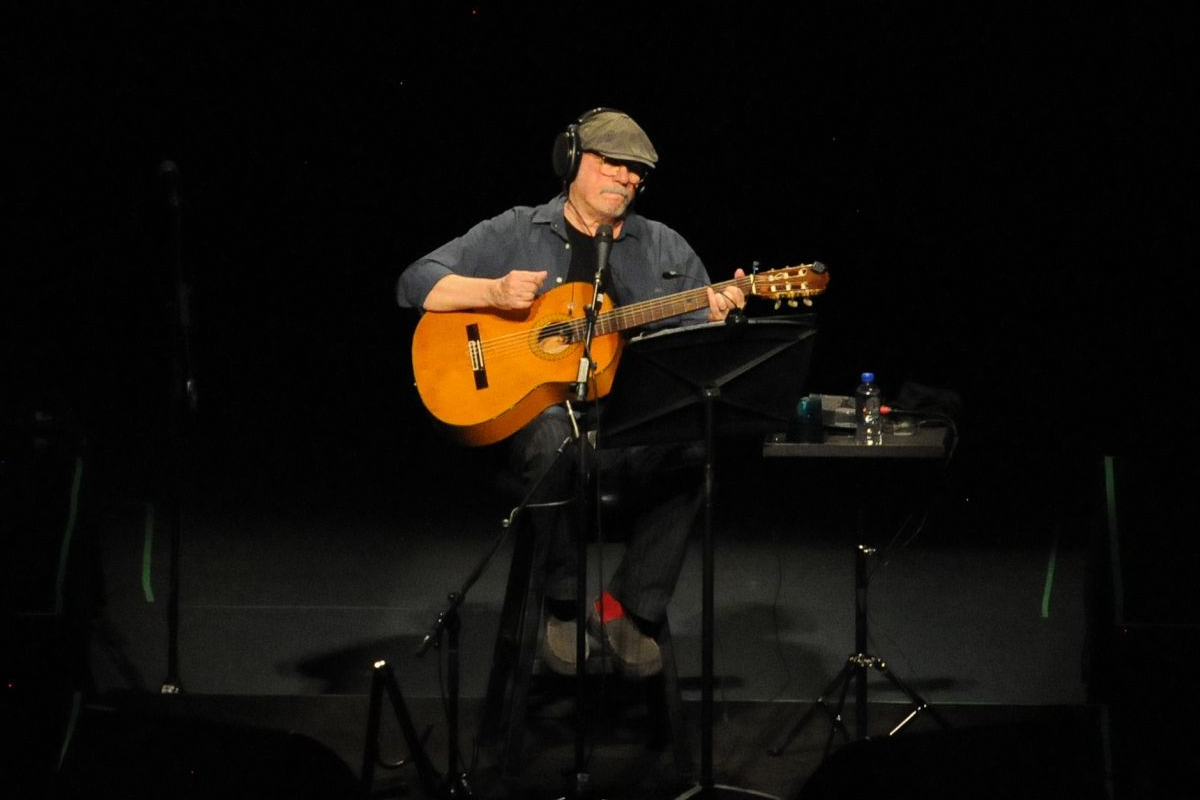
(803, 281)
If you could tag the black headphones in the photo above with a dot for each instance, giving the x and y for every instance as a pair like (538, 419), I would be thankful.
(567, 152)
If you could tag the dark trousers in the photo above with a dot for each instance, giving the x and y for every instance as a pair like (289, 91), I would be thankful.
(660, 487)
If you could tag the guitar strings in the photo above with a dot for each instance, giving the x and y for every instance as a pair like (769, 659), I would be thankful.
(609, 322)
(622, 317)
(618, 319)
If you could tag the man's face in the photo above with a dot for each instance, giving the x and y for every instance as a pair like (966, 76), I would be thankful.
(605, 186)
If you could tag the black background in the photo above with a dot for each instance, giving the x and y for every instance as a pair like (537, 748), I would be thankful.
(1002, 194)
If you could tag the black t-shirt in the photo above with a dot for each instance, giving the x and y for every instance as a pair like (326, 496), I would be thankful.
(583, 257)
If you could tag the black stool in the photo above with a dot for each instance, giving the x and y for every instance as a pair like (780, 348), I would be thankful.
(515, 654)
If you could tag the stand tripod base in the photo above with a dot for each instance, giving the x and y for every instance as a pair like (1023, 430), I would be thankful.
(855, 669)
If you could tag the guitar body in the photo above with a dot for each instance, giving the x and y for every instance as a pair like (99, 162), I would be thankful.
(486, 374)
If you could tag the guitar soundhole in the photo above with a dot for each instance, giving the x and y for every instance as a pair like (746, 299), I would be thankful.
(555, 338)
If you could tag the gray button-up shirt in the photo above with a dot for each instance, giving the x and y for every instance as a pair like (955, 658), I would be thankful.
(535, 238)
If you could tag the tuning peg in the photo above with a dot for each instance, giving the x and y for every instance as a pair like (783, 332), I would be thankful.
(792, 304)
(778, 304)
(808, 302)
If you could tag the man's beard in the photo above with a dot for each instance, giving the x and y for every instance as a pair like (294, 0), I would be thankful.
(626, 195)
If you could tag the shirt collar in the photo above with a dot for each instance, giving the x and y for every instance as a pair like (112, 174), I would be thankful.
(551, 214)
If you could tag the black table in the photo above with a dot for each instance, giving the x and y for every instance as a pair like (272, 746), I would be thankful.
(929, 443)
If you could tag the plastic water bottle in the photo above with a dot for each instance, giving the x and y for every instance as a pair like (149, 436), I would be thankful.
(868, 417)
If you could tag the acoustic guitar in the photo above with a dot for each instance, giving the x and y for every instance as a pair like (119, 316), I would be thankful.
(485, 374)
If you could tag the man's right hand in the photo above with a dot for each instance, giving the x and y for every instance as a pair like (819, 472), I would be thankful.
(514, 291)
(517, 289)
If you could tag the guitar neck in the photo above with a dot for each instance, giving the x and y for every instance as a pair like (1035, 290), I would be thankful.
(647, 311)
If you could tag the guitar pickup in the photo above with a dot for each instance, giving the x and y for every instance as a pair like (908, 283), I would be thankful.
(475, 351)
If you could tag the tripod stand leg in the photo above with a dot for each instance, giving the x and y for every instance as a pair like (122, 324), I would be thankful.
(842, 679)
(382, 679)
(371, 748)
(528, 631)
(508, 636)
(918, 703)
(852, 668)
(416, 748)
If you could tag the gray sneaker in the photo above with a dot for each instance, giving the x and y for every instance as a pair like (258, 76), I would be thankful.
(558, 645)
(635, 654)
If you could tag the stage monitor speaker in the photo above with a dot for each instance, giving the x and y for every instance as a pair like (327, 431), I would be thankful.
(1143, 616)
(1143, 562)
(133, 754)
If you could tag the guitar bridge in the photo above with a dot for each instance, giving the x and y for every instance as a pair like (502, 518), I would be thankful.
(475, 351)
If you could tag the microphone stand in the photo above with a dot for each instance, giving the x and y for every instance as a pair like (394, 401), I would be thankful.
(456, 782)
(603, 237)
(184, 402)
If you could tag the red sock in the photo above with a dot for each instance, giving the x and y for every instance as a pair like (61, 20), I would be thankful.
(609, 608)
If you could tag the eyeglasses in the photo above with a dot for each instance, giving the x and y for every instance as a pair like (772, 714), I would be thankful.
(609, 167)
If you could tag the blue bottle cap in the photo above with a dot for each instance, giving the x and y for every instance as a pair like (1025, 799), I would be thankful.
(868, 377)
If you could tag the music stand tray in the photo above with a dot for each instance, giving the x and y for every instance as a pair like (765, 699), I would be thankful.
(668, 389)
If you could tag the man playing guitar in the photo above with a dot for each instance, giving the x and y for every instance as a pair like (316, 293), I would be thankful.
(503, 267)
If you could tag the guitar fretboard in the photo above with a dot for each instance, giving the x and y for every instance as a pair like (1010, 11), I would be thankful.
(647, 311)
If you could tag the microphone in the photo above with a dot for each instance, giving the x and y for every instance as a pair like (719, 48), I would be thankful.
(604, 238)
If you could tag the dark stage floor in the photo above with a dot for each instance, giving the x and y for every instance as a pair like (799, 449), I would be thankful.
(290, 589)
(312, 746)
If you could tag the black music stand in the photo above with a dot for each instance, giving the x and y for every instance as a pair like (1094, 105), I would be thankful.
(668, 389)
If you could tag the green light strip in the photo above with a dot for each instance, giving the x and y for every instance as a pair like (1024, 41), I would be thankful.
(69, 530)
(1050, 577)
(76, 701)
(148, 552)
